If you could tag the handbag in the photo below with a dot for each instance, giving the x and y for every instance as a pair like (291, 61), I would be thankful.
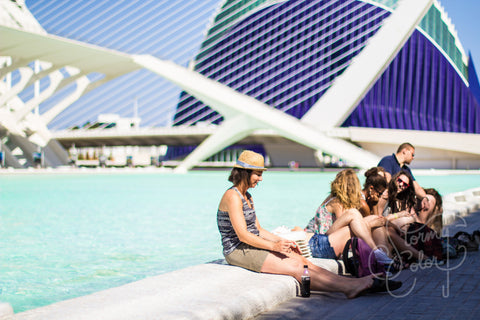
(423, 238)
(362, 261)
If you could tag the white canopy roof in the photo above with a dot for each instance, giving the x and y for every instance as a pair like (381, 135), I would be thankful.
(26, 47)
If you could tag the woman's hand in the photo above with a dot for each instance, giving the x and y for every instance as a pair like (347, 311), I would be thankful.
(377, 221)
(286, 246)
(402, 219)
(406, 214)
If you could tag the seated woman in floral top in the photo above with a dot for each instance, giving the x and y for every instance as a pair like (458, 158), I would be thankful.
(338, 217)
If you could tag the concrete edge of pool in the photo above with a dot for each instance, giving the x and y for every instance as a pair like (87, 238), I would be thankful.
(212, 290)
(207, 291)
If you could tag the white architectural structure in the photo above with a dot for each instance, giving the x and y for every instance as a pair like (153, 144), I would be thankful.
(24, 131)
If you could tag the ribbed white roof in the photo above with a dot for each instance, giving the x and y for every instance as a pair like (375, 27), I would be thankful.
(171, 30)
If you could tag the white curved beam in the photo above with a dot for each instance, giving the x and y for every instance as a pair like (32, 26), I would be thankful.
(45, 69)
(55, 78)
(230, 103)
(82, 83)
(8, 121)
(26, 73)
(24, 47)
(353, 84)
(229, 132)
(16, 64)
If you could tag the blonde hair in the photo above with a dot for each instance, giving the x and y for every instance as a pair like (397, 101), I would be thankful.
(347, 189)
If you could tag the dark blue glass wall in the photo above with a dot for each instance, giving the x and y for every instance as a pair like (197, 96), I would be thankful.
(287, 67)
(420, 90)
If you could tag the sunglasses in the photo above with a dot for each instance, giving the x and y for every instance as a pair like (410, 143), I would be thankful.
(402, 183)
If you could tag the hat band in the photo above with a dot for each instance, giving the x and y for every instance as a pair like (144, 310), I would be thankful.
(248, 166)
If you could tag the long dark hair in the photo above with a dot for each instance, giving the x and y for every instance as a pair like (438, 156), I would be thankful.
(374, 179)
(406, 198)
(435, 221)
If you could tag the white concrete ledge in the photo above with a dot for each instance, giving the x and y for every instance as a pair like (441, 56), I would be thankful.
(460, 204)
(6, 311)
(207, 291)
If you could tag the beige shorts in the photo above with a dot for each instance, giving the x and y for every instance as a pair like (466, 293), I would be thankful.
(247, 257)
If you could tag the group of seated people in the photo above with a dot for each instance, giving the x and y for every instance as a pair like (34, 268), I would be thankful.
(379, 214)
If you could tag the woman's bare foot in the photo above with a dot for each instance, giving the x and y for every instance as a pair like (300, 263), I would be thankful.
(360, 285)
(373, 283)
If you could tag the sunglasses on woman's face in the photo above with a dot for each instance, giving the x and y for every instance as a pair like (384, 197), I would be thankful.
(402, 183)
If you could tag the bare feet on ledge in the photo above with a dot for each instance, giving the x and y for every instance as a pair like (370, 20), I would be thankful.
(373, 284)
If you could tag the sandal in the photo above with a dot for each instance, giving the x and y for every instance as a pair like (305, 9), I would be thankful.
(476, 236)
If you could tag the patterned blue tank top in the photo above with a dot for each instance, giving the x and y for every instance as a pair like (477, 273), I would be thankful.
(230, 239)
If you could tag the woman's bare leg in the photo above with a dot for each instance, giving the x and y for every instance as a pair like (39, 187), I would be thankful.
(380, 236)
(338, 239)
(354, 219)
(379, 232)
(320, 279)
(402, 247)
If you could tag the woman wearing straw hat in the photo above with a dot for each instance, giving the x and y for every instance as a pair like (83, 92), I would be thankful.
(248, 245)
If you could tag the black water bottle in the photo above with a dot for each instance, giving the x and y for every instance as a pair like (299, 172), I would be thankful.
(305, 282)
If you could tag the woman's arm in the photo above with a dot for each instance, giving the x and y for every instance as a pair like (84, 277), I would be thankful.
(288, 245)
(401, 219)
(364, 209)
(419, 191)
(270, 242)
(382, 203)
(267, 235)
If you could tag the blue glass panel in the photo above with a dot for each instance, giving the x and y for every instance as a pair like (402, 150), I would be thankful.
(286, 64)
(425, 93)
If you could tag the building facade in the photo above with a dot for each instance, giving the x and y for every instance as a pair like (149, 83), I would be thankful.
(287, 54)
(305, 82)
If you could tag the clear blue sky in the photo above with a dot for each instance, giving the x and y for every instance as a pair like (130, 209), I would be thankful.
(465, 15)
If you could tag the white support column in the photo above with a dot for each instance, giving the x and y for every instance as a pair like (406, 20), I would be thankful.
(8, 77)
(36, 86)
(82, 84)
(15, 64)
(26, 74)
(231, 103)
(229, 132)
(55, 79)
(10, 161)
(353, 84)
(27, 77)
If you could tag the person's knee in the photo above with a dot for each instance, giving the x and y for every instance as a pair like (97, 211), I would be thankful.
(295, 268)
(354, 214)
(369, 218)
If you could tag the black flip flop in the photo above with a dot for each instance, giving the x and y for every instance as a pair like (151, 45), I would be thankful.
(383, 285)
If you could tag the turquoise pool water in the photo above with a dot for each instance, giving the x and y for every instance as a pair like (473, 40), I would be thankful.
(68, 235)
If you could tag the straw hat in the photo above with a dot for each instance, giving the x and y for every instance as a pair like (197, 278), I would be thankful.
(250, 160)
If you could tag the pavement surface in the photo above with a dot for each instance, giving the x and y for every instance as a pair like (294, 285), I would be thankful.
(450, 291)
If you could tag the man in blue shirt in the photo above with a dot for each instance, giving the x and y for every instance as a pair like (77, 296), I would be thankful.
(398, 161)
